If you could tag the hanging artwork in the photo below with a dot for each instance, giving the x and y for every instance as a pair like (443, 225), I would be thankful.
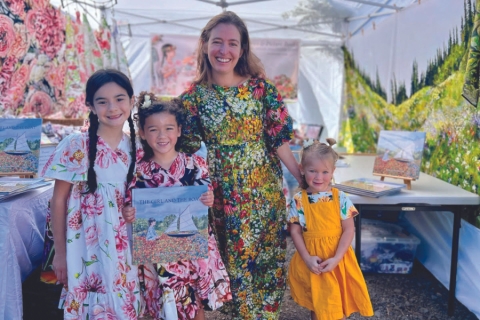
(396, 81)
(174, 63)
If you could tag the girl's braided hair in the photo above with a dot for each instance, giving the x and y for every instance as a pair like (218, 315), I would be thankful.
(147, 105)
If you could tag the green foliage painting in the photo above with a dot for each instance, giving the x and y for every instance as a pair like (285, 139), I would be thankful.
(435, 106)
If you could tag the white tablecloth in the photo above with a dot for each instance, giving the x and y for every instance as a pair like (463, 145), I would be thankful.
(22, 224)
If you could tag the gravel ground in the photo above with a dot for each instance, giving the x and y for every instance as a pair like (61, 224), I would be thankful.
(418, 296)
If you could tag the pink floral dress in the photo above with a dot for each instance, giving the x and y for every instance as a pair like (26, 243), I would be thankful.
(206, 279)
(102, 282)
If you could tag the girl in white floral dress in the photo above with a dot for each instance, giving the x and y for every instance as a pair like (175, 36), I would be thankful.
(92, 255)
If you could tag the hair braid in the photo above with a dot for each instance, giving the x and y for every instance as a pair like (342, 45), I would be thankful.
(133, 151)
(92, 153)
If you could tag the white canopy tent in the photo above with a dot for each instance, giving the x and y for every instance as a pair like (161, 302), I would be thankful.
(323, 26)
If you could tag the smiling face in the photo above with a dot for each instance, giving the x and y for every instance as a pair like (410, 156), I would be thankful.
(318, 172)
(112, 105)
(161, 131)
(223, 49)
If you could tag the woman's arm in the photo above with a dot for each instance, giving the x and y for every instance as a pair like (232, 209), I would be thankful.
(58, 207)
(312, 262)
(286, 156)
(345, 242)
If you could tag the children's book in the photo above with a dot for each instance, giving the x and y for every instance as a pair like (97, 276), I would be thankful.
(369, 187)
(171, 224)
(20, 145)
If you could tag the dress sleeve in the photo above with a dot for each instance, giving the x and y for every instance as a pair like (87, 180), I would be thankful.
(347, 209)
(278, 123)
(69, 162)
(191, 134)
(201, 172)
(295, 214)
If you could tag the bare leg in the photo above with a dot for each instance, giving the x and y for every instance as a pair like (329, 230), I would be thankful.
(200, 315)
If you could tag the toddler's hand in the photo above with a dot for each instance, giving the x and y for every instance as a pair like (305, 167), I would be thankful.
(128, 214)
(207, 198)
(328, 265)
(313, 263)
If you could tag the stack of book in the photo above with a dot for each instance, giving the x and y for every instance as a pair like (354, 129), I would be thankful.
(11, 186)
(369, 187)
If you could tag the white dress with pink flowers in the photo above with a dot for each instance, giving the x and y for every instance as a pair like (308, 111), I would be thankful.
(102, 282)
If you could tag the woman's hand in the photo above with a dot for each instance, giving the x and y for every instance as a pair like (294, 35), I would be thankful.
(313, 264)
(207, 198)
(128, 214)
(59, 266)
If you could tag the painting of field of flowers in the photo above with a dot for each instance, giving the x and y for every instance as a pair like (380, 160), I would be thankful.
(430, 101)
(170, 225)
(399, 154)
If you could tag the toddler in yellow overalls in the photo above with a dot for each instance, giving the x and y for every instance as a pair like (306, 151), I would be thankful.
(324, 275)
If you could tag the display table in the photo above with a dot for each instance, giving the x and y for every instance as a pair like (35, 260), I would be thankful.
(427, 194)
(22, 226)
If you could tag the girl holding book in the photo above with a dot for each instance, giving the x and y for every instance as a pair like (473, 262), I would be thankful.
(195, 284)
(324, 275)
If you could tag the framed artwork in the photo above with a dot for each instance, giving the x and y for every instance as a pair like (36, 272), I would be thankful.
(399, 154)
(170, 225)
(20, 146)
(310, 131)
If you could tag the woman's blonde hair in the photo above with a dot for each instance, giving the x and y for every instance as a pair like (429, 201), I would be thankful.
(248, 64)
(320, 150)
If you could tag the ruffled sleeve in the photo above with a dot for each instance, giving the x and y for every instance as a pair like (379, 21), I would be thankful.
(191, 132)
(69, 162)
(347, 209)
(296, 212)
(278, 123)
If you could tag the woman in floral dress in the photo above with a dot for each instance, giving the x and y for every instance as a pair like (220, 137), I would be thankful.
(92, 255)
(246, 127)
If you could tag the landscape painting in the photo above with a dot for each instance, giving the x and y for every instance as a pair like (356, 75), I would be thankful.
(399, 154)
(20, 145)
(171, 225)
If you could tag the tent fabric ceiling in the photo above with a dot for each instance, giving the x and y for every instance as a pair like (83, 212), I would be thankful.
(265, 18)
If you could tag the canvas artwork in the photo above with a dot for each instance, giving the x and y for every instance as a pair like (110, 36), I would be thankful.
(399, 154)
(20, 145)
(174, 63)
(310, 131)
(171, 224)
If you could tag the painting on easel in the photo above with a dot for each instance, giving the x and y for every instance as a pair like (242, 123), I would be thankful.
(399, 154)
(19, 146)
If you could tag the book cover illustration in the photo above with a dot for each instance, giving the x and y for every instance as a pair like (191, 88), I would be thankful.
(399, 154)
(171, 224)
(20, 145)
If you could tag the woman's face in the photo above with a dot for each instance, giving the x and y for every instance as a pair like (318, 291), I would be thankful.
(223, 49)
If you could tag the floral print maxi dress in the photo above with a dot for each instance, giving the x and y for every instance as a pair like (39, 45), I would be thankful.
(242, 128)
(207, 278)
(102, 282)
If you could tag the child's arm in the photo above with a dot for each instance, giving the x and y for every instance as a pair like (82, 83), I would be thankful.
(128, 213)
(345, 242)
(312, 262)
(61, 191)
